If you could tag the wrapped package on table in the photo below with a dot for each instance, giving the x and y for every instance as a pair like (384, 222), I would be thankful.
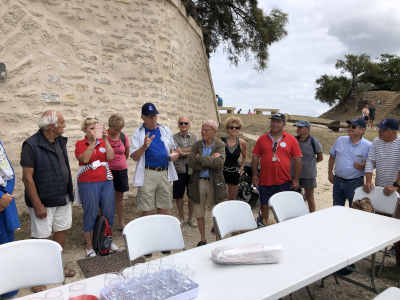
(248, 254)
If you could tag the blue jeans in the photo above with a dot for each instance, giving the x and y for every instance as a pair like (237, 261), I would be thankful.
(94, 195)
(343, 190)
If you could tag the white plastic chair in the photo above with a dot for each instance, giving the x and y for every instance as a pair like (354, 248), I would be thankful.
(391, 293)
(232, 215)
(152, 234)
(287, 205)
(382, 204)
(30, 263)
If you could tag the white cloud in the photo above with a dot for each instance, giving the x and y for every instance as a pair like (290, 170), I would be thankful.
(320, 32)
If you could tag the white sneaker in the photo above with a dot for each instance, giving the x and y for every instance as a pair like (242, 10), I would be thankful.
(113, 247)
(90, 253)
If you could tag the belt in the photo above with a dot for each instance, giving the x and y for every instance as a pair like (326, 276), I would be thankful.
(204, 178)
(159, 169)
(344, 179)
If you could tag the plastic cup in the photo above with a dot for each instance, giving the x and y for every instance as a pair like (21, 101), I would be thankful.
(125, 271)
(155, 264)
(77, 291)
(187, 279)
(109, 277)
(54, 295)
(140, 267)
(167, 260)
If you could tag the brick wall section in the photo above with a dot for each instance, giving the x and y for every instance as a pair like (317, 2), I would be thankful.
(89, 58)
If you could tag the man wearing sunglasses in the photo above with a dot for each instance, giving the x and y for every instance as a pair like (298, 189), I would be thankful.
(274, 151)
(347, 161)
(184, 141)
(384, 155)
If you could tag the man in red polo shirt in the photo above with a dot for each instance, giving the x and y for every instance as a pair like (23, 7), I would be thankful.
(276, 149)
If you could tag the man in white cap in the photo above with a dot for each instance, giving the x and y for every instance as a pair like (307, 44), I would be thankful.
(206, 158)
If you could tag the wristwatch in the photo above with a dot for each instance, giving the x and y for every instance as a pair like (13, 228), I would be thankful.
(396, 184)
(184, 154)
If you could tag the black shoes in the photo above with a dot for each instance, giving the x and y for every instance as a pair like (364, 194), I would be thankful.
(201, 243)
(391, 251)
(260, 222)
(166, 252)
(148, 255)
(212, 231)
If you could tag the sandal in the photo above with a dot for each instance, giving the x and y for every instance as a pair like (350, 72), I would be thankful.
(68, 272)
(38, 289)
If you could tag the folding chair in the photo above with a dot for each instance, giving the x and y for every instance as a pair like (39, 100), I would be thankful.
(391, 293)
(383, 205)
(30, 263)
(231, 216)
(288, 205)
(152, 234)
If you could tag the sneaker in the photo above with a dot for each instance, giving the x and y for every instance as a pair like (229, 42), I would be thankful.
(148, 255)
(391, 251)
(90, 253)
(201, 243)
(212, 231)
(166, 252)
(260, 222)
(193, 223)
(113, 247)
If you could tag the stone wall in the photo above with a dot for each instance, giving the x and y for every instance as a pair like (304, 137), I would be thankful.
(89, 58)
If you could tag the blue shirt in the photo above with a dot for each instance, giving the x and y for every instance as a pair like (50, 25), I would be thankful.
(206, 152)
(156, 154)
(220, 101)
(346, 154)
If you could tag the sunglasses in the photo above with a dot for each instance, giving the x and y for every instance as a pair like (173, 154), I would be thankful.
(234, 127)
(352, 126)
(183, 123)
(275, 147)
(88, 119)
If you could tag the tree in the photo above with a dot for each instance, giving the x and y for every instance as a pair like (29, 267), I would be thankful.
(333, 89)
(244, 30)
(355, 65)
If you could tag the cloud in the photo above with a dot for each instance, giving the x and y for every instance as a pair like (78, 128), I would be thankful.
(320, 32)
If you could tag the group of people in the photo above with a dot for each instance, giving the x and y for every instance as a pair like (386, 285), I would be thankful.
(368, 112)
(206, 168)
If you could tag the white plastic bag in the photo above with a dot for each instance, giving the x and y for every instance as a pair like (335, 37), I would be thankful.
(247, 254)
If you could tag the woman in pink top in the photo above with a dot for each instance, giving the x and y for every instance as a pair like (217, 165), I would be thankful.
(118, 165)
(365, 112)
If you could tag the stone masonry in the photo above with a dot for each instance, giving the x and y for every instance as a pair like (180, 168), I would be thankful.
(88, 58)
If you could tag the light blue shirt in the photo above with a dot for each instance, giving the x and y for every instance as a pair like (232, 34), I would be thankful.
(346, 154)
(137, 141)
(206, 152)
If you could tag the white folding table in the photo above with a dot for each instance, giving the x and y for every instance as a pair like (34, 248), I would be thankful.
(314, 246)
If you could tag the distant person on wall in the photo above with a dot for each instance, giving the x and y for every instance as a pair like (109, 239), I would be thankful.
(254, 112)
(379, 102)
(184, 141)
(233, 148)
(312, 154)
(372, 115)
(219, 100)
(365, 113)
(118, 166)
(239, 111)
(274, 151)
(8, 210)
(249, 113)
(348, 155)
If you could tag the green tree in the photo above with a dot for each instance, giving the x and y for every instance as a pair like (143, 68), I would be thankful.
(333, 89)
(384, 74)
(356, 65)
(240, 26)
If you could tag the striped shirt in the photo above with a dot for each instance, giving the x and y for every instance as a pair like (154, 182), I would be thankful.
(385, 157)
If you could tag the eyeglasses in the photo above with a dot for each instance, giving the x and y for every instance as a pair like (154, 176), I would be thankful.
(234, 127)
(183, 123)
(353, 126)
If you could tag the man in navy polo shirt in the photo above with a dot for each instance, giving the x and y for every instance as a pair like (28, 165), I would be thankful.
(152, 147)
(348, 155)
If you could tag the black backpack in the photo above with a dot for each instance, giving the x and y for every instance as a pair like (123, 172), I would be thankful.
(102, 236)
(312, 142)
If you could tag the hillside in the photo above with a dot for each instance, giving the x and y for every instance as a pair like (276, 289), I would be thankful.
(354, 106)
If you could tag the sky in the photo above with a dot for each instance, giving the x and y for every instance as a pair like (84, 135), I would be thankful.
(319, 33)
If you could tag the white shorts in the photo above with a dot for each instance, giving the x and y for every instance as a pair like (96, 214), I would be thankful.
(58, 218)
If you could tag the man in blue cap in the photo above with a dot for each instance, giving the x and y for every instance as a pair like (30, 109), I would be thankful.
(312, 154)
(348, 156)
(152, 147)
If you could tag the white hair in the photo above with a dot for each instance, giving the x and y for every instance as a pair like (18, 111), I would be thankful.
(183, 117)
(48, 119)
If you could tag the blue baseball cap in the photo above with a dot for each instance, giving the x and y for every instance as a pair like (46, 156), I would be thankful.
(303, 123)
(149, 109)
(389, 123)
(359, 122)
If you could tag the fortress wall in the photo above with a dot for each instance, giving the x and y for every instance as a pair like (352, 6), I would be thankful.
(89, 58)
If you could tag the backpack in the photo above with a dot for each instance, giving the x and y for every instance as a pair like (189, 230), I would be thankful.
(122, 135)
(102, 236)
(312, 143)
